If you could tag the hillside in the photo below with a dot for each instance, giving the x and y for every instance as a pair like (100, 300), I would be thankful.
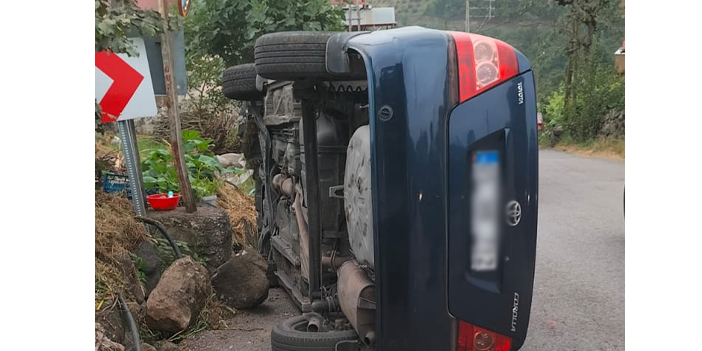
(406, 11)
(445, 14)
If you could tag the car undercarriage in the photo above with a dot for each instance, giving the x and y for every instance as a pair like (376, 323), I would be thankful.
(328, 195)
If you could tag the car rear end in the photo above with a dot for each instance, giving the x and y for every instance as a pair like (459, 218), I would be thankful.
(455, 189)
(493, 187)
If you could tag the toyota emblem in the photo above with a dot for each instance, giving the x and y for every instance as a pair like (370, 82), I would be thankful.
(514, 213)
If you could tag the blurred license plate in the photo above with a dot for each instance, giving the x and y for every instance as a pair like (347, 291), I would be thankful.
(484, 216)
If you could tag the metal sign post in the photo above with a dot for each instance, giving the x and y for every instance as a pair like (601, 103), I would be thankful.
(127, 135)
(124, 90)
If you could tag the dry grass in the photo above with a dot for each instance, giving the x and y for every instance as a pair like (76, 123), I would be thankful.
(241, 210)
(116, 234)
(216, 313)
(602, 148)
(116, 231)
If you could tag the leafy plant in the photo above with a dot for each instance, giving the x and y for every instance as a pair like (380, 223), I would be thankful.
(553, 115)
(140, 268)
(159, 172)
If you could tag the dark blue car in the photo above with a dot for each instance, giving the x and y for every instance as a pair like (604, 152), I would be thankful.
(413, 226)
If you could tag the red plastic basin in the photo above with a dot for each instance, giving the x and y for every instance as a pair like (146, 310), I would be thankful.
(162, 202)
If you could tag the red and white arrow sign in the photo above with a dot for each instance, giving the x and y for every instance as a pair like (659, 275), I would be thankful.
(123, 85)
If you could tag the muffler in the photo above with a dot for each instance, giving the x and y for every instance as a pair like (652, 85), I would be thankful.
(357, 300)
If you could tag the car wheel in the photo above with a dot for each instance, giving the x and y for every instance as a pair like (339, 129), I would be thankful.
(239, 83)
(292, 335)
(292, 55)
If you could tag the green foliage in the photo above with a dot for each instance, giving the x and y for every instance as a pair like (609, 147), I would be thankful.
(599, 91)
(205, 80)
(115, 20)
(203, 168)
(229, 28)
(553, 111)
(140, 268)
(209, 111)
(158, 172)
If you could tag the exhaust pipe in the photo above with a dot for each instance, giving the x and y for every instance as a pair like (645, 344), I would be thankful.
(314, 324)
(356, 297)
(328, 304)
(333, 261)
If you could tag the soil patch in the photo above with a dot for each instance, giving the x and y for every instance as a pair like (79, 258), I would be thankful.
(249, 330)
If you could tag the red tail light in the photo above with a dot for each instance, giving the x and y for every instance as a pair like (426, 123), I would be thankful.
(472, 338)
(482, 63)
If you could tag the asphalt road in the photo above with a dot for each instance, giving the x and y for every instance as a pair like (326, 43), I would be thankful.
(578, 301)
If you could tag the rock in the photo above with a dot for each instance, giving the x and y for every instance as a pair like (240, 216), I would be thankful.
(231, 159)
(242, 282)
(613, 124)
(152, 264)
(207, 232)
(180, 295)
(166, 346)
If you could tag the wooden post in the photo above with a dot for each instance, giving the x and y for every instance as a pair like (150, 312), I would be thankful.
(173, 117)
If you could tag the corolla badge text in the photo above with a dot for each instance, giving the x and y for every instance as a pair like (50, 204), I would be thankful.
(520, 92)
(515, 312)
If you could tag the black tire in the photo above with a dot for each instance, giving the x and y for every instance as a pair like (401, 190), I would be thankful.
(292, 55)
(239, 83)
(291, 335)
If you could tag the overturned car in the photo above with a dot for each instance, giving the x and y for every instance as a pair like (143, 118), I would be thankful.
(396, 186)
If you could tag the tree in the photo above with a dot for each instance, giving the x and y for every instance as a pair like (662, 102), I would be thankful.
(229, 28)
(583, 16)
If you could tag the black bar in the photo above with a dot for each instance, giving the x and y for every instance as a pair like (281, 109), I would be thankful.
(309, 133)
